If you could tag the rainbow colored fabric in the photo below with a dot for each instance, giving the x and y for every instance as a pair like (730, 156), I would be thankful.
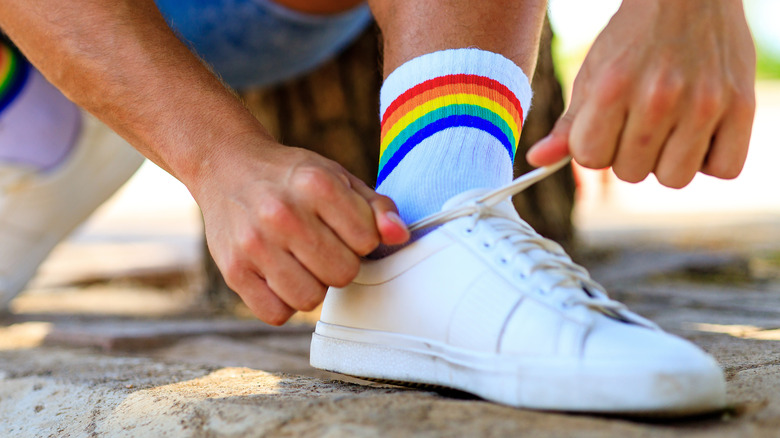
(445, 102)
(13, 74)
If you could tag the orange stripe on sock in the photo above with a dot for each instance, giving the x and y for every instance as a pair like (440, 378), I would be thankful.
(462, 88)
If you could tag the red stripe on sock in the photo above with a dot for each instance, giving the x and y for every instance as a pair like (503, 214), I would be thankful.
(453, 79)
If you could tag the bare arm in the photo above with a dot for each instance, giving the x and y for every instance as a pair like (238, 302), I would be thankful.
(282, 223)
(120, 61)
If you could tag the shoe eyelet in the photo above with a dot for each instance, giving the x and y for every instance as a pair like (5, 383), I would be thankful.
(543, 292)
(503, 260)
(521, 276)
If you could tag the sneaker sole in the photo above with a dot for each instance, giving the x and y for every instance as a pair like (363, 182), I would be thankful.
(559, 385)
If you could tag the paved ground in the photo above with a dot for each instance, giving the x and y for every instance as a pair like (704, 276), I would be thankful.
(135, 355)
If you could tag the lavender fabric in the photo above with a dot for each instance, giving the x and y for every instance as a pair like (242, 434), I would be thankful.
(39, 127)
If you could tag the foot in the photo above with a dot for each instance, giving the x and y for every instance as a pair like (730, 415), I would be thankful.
(39, 208)
(485, 305)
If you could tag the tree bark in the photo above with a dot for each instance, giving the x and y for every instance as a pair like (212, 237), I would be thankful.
(334, 111)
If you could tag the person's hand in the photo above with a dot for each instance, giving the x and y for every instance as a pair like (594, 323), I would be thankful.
(667, 88)
(284, 223)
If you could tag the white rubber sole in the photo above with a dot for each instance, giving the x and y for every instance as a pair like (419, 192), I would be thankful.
(560, 384)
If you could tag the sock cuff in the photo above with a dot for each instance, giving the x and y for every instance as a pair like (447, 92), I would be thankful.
(460, 64)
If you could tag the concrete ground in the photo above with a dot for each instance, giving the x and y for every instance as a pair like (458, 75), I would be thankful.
(112, 339)
(135, 355)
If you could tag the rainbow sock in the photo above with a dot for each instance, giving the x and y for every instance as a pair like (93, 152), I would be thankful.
(451, 121)
(14, 71)
(39, 125)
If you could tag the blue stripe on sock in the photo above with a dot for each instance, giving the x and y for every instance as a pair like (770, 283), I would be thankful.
(460, 120)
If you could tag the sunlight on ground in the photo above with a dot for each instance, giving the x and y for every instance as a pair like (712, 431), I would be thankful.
(125, 301)
(739, 331)
(23, 335)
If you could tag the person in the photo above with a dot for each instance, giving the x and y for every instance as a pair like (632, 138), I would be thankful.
(477, 301)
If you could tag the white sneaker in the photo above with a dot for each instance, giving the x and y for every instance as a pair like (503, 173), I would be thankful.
(38, 209)
(485, 305)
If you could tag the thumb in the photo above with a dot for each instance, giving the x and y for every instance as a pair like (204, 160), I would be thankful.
(391, 227)
(555, 146)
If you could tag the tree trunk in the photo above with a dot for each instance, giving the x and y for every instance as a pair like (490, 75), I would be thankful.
(334, 111)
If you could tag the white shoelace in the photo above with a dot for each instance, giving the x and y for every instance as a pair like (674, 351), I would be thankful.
(573, 279)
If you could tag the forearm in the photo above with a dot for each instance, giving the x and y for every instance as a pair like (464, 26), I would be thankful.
(120, 61)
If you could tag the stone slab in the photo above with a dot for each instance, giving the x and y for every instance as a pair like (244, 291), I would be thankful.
(49, 391)
(138, 335)
(133, 335)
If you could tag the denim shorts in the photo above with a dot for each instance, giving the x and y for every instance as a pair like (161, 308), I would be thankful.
(254, 43)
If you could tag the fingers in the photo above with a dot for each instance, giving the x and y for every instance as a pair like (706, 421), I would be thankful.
(684, 152)
(590, 128)
(288, 230)
(291, 227)
(598, 122)
(260, 299)
(293, 283)
(556, 146)
(331, 195)
(322, 249)
(659, 93)
(391, 227)
(682, 157)
(647, 127)
(324, 255)
(729, 148)
(552, 148)
(666, 129)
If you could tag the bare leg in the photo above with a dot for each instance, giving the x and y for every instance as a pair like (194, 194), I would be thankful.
(455, 95)
(414, 27)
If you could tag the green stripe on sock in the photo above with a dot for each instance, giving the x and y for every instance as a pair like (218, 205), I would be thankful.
(440, 113)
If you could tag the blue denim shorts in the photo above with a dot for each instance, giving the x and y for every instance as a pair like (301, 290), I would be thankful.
(257, 42)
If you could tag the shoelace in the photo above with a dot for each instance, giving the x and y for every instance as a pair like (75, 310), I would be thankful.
(581, 289)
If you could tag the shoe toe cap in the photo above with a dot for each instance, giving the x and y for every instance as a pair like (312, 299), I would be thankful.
(616, 341)
(660, 370)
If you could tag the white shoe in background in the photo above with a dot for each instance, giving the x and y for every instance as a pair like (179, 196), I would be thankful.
(485, 305)
(39, 209)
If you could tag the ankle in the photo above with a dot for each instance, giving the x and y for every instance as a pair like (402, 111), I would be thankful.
(451, 121)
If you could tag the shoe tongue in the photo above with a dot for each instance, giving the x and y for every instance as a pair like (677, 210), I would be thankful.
(468, 196)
